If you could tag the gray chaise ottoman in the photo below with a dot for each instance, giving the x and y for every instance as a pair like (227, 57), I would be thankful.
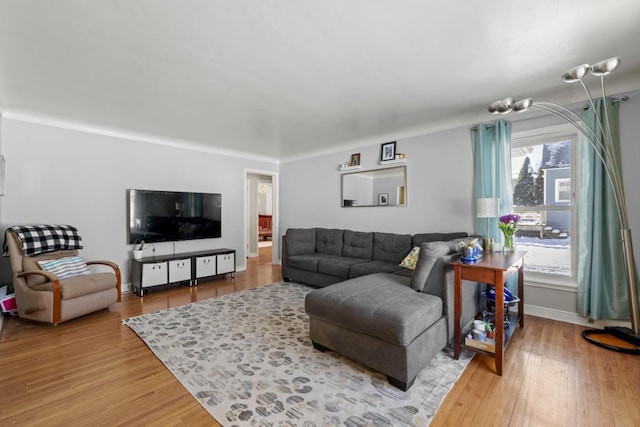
(381, 322)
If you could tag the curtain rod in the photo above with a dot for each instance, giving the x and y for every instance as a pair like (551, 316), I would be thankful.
(490, 125)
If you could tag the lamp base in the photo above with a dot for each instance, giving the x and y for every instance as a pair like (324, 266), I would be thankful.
(614, 338)
(487, 244)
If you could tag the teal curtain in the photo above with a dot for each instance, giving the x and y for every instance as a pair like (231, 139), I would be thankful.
(602, 283)
(491, 145)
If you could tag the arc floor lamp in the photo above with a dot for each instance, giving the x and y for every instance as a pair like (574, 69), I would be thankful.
(603, 148)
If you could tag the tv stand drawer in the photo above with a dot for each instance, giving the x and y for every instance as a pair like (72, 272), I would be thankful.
(206, 266)
(154, 274)
(180, 270)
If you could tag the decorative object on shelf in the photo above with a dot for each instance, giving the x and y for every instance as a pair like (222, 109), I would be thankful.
(487, 208)
(599, 138)
(508, 224)
(355, 160)
(471, 252)
(137, 252)
(383, 198)
(388, 151)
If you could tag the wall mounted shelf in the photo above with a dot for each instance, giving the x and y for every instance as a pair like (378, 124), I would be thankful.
(349, 168)
(392, 162)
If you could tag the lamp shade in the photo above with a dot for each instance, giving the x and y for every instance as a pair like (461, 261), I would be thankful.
(487, 207)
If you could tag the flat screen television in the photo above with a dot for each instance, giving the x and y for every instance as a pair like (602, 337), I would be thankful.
(165, 216)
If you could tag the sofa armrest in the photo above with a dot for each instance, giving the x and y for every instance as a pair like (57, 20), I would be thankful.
(440, 282)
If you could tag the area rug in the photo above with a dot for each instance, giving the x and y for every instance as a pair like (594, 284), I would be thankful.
(247, 358)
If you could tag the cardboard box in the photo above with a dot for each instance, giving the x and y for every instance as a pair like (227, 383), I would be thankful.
(488, 345)
(8, 302)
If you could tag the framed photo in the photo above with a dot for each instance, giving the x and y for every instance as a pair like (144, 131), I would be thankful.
(355, 160)
(388, 151)
(383, 198)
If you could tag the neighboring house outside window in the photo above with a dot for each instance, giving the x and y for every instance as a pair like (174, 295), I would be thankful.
(543, 170)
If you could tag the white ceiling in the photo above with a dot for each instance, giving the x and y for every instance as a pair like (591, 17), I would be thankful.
(284, 78)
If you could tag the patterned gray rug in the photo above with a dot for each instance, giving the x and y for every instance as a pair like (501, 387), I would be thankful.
(247, 358)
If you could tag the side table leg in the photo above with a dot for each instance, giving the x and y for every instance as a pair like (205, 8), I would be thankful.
(499, 319)
(457, 311)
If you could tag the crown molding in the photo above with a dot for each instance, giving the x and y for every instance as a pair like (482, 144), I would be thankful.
(29, 117)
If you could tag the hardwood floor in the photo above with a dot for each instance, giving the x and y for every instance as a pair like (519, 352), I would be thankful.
(96, 371)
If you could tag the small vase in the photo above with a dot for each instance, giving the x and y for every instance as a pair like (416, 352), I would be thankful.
(509, 244)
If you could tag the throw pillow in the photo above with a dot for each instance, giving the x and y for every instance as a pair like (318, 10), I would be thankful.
(67, 267)
(411, 259)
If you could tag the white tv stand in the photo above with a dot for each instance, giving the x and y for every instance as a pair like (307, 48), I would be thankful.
(160, 271)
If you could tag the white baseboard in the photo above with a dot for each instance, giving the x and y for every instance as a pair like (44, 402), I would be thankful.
(569, 317)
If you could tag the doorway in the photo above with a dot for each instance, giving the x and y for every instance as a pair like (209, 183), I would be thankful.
(261, 221)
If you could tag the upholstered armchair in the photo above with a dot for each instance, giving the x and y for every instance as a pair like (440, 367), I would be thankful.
(51, 282)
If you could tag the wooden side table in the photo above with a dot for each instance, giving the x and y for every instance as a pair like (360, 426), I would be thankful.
(493, 269)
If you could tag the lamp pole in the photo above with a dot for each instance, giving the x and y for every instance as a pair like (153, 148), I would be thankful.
(604, 149)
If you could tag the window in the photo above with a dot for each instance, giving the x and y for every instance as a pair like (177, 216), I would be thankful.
(542, 164)
(563, 190)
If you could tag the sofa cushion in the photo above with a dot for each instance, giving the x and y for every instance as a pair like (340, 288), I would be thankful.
(357, 244)
(301, 241)
(429, 254)
(371, 267)
(308, 262)
(379, 305)
(78, 286)
(338, 266)
(421, 238)
(391, 247)
(329, 241)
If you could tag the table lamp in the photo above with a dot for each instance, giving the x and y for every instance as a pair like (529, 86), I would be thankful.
(487, 208)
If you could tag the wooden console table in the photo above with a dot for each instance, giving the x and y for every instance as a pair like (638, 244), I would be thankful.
(493, 269)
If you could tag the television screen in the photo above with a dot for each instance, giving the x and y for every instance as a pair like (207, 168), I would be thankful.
(164, 216)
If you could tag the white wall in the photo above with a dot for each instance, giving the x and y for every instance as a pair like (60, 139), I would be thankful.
(64, 176)
(439, 189)
(439, 194)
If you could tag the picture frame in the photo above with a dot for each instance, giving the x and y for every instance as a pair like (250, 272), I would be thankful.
(388, 151)
(355, 160)
(383, 198)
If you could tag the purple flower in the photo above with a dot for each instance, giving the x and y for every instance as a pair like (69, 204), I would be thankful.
(507, 223)
(510, 218)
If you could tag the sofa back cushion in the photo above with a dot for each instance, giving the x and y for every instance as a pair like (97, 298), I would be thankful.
(419, 239)
(430, 253)
(432, 262)
(301, 241)
(329, 241)
(391, 247)
(357, 244)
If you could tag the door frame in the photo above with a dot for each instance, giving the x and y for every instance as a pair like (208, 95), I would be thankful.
(275, 186)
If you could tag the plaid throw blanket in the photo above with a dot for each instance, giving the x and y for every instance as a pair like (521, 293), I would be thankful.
(39, 239)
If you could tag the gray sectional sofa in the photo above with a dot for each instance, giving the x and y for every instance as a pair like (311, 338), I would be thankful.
(370, 309)
(321, 257)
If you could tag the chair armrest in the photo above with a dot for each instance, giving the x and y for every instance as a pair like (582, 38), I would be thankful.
(57, 293)
(103, 262)
(116, 270)
(46, 274)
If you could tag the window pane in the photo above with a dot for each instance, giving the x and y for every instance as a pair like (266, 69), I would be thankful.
(548, 248)
(542, 196)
